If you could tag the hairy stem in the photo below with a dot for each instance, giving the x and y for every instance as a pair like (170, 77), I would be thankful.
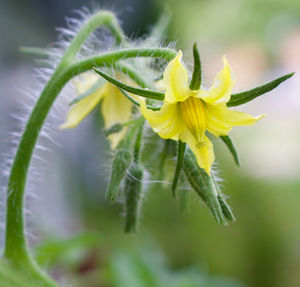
(16, 245)
(16, 249)
(102, 18)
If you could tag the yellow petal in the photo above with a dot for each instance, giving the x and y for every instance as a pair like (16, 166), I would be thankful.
(220, 92)
(194, 117)
(85, 81)
(220, 119)
(204, 154)
(167, 122)
(116, 108)
(175, 80)
(80, 110)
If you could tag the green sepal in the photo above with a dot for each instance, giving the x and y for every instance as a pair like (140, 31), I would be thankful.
(121, 162)
(229, 143)
(137, 91)
(226, 208)
(195, 83)
(163, 154)
(227, 212)
(180, 156)
(247, 96)
(137, 103)
(96, 86)
(113, 129)
(133, 196)
(203, 185)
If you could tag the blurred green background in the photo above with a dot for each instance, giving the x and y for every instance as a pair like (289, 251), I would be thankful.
(262, 41)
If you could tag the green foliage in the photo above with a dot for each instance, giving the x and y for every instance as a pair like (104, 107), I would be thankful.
(68, 250)
(149, 269)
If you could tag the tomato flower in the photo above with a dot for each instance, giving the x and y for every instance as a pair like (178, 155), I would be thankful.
(187, 114)
(115, 108)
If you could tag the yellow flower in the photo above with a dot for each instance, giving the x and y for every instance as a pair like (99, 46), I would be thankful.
(116, 108)
(186, 114)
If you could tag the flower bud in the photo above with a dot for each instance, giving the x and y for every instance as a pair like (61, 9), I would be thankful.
(133, 192)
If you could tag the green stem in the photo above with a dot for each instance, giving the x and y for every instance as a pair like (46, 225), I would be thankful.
(16, 246)
(111, 57)
(102, 18)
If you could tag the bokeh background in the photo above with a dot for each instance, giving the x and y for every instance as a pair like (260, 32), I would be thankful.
(79, 235)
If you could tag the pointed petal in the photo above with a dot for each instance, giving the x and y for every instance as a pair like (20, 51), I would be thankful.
(175, 79)
(167, 122)
(80, 110)
(220, 119)
(204, 154)
(221, 89)
(116, 108)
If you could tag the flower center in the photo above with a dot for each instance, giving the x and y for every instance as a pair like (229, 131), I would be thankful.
(194, 116)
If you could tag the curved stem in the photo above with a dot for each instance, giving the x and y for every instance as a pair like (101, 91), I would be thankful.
(102, 18)
(111, 57)
(16, 249)
(16, 246)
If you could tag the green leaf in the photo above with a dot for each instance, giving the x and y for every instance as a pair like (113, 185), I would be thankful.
(197, 73)
(137, 91)
(52, 251)
(228, 142)
(180, 156)
(204, 186)
(247, 96)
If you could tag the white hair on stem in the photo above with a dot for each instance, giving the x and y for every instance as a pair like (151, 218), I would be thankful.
(99, 41)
